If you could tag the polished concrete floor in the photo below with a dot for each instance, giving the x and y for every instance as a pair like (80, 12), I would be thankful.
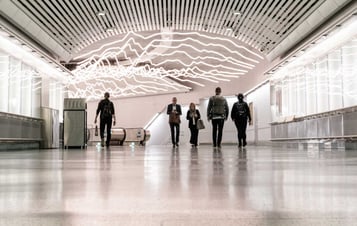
(158, 185)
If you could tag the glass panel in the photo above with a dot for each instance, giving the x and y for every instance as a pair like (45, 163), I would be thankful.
(4, 82)
(301, 93)
(310, 78)
(322, 85)
(15, 86)
(26, 90)
(335, 79)
(292, 94)
(285, 97)
(36, 96)
(349, 61)
(275, 101)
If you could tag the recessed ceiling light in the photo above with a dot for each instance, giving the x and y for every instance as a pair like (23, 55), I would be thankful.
(109, 29)
(237, 13)
(229, 28)
(101, 13)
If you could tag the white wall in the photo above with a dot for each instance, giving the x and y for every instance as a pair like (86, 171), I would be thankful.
(260, 131)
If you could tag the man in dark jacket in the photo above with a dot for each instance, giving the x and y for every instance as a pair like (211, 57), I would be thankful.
(217, 111)
(174, 112)
(240, 115)
(107, 117)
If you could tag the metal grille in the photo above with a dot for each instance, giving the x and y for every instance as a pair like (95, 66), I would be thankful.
(76, 24)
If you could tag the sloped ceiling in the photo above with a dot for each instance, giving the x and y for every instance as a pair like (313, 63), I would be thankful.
(186, 41)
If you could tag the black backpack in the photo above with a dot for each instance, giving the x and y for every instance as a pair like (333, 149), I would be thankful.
(107, 110)
(241, 110)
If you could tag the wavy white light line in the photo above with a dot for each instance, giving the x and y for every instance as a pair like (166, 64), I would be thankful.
(194, 59)
(90, 53)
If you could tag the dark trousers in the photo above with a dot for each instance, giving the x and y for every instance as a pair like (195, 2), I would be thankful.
(194, 135)
(105, 122)
(241, 125)
(217, 130)
(175, 136)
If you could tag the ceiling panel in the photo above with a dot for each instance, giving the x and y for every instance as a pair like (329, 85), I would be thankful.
(76, 24)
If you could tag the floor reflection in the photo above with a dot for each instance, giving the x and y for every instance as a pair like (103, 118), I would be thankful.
(159, 185)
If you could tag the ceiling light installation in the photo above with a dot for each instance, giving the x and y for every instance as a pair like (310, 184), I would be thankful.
(141, 65)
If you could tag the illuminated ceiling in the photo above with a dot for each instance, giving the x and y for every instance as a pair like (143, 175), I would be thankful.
(140, 47)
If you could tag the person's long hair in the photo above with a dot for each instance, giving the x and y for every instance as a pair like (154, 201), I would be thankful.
(192, 107)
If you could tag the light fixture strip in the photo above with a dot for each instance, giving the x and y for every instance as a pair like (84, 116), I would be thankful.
(97, 20)
(143, 11)
(223, 14)
(135, 11)
(249, 17)
(84, 29)
(198, 13)
(110, 5)
(261, 20)
(62, 24)
(87, 26)
(188, 16)
(182, 13)
(110, 19)
(124, 17)
(217, 8)
(83, 9)
(268, 21)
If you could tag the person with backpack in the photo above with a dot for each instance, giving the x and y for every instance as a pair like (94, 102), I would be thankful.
(107, 117)
(217, 111)
(240, 115)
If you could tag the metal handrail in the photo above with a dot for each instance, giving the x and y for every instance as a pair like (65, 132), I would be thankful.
(20, 139)
(21, 117)
(316, 138)
(318, 115)
(154, 118)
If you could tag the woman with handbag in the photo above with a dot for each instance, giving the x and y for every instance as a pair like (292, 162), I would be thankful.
(193, 115)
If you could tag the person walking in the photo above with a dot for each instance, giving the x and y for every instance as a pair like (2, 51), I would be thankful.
(240, 115)
(174, 112)
(107, 117)
(192, 116)
(217, 111)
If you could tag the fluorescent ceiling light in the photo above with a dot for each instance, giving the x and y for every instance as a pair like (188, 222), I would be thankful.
(101, 13)
(33, 59)
(109, 29)
(325, 44)
(237, 13)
